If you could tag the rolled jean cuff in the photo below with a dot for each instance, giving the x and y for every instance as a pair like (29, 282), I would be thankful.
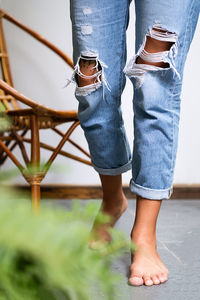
(115, 171)
(148, 193)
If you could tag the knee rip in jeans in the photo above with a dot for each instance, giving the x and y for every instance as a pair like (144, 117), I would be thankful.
(157, 52)
(89, 74)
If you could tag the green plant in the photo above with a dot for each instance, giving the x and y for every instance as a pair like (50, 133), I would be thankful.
(46, 256)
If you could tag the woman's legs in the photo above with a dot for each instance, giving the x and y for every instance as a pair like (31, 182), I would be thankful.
(164, 31)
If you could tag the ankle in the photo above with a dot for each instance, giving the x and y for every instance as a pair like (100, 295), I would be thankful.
(114, 206)
(145, 238)
(114, 200)
(113, 195)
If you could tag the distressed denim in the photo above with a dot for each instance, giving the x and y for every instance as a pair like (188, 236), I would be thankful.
(99, 33)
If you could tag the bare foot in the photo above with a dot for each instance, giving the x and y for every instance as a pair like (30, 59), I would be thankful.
(114, 209)
(146, 265)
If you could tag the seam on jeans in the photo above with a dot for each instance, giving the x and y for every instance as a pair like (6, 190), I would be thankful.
(123, 38)
(180, 59)
(123, 54)
(125, 143)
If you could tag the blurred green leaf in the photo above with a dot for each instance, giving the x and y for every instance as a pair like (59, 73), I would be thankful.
(47, 254)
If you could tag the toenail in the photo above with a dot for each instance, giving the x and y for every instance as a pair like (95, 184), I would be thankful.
(136, 281)
(157, 281)
(163, 279)
(148, 282)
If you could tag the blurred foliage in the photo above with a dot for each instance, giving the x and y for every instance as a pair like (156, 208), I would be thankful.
(46, 256)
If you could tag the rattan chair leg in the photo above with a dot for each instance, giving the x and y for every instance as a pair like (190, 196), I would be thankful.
(35, 193)
(35, 164)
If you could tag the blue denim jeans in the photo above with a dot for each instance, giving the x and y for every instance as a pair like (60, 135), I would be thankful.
(99, 33)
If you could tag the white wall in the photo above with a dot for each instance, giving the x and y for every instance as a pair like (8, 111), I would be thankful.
(41, 76)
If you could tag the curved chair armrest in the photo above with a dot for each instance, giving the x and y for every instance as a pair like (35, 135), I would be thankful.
(39, 109)
(37, 36)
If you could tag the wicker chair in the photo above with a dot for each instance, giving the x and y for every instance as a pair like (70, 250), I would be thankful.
(33, 118)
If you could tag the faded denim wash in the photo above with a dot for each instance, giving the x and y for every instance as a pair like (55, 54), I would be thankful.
(99, 32)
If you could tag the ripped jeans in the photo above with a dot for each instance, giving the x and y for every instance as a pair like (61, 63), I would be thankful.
(99, 35)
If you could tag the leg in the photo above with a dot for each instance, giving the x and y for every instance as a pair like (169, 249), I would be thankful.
(156, 73)
(114, 204)
(99, 55)
(147, 267)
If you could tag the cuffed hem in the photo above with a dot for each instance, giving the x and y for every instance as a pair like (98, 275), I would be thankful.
(148, 193)
(115, 171)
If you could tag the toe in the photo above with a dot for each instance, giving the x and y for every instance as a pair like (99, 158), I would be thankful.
(163, 277)
(136, 281)
(155, 279)
(148, 281)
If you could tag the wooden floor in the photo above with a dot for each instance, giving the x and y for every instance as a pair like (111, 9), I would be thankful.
(55, 191)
